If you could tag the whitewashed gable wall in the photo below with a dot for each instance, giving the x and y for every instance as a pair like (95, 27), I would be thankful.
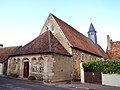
(57, 32)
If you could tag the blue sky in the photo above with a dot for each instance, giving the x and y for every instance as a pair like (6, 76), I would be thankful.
(22, 20)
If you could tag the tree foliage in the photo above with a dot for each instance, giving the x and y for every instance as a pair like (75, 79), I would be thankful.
(105, 66)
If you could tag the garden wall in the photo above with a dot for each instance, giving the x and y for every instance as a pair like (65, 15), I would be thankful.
(111, 79)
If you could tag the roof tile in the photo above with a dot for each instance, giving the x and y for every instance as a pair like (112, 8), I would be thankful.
(44, 43)
(77, 39)
(114, 52)
(5, 52)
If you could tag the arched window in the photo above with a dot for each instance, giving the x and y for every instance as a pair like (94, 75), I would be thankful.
(14, 59)
(18, 65)
(90, 57)
(18, 60)
(33, 58)
(41, 64)
(82, 56)
(34, 64)
(40, 58)
(13, 66)
(25, 59)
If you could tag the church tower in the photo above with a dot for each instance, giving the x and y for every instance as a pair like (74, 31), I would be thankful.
(92, 34)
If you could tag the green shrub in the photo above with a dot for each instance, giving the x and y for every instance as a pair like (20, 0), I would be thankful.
(106, 66)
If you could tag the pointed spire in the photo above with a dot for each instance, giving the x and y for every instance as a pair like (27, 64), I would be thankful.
(91, 28)
(92, 33)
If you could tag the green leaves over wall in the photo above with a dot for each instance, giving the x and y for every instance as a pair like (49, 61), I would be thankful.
(105, 66)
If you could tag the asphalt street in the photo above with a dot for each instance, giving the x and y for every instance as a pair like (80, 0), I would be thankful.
(8, 83)
(16, 84)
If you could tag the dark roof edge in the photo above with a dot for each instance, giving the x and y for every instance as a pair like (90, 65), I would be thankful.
(69, 25)
(41, 53)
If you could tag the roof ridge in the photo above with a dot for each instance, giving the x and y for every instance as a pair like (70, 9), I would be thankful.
(33, 39)
(70, 26)
(55, 40)
(78, 40)
(44, 43)
(65, 23)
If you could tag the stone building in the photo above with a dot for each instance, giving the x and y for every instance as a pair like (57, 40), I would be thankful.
(113, 49)
(56, 54)
(5, 52)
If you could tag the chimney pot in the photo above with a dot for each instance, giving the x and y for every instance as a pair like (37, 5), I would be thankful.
(108, 42)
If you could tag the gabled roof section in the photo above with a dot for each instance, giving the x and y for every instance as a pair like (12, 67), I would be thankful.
(91, 28)
(45, 43)
(5, 52)
(77, 39)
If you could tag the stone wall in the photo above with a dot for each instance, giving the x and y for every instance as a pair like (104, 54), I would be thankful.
(78, 57)
(62, 68)
(1, 68)
(50, 68)
(37, 65)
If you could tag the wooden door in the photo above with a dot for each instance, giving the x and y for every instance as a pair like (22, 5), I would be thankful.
(26, 70)
(91, 77)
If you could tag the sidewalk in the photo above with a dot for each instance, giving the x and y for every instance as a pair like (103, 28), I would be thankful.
(84, 86)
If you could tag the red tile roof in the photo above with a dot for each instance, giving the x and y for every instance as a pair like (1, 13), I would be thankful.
(5, 52)
(44, 43)
(77, 39)
(114, 52)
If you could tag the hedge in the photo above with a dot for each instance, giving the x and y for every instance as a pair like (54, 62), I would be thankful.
(106, 66)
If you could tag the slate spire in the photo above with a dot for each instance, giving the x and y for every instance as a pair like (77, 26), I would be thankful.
(91, 28)
(92, 34)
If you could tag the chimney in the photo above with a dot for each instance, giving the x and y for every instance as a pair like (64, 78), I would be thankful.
(108, 42)
(1, 45)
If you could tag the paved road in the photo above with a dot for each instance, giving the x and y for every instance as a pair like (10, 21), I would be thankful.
(18, 84)
(14, 84)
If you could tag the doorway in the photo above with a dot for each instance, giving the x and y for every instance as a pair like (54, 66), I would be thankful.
(91, 77)
(26, 70)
